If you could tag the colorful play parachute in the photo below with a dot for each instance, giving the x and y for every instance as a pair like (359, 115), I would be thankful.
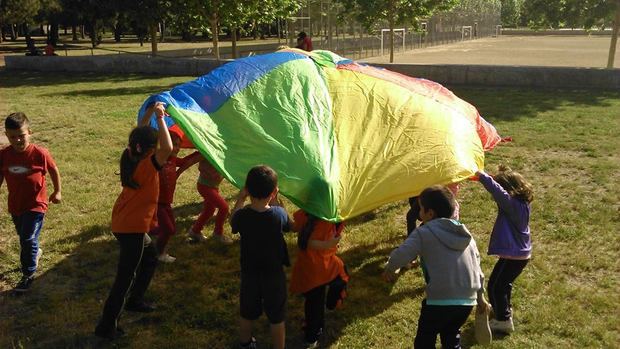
(344, 138)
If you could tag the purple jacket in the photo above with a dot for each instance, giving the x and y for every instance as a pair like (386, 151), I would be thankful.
(511, 232)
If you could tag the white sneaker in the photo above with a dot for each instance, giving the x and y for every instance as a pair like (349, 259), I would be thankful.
(196, 237)
(502, 326)
(224, 239)
(39, 254)
(166, 258)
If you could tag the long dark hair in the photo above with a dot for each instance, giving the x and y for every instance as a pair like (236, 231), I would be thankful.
(141, 140)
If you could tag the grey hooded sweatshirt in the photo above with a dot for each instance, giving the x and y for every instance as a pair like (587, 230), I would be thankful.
(450, 259)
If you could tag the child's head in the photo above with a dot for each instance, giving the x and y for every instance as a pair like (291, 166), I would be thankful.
(514, 183)
(142, 142)
(261, 182)
(436, 202)
(17, 130)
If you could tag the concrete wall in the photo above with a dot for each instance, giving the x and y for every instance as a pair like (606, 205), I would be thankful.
(498, 75)
(485, 75)
(531, 32)
(114, 64)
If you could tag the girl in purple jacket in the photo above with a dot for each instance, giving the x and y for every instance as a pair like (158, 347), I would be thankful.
(510, 240)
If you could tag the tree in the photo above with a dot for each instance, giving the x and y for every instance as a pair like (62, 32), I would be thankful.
(585, 14)
(19, 12)
(511, 12)
(370, 12)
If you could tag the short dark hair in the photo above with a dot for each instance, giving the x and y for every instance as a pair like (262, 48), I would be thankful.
(15, 121)
(261, 181)
(439, 199)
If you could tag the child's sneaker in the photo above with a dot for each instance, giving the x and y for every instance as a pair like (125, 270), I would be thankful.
(249, 345)
(312, 345)
(502, 326)
(24, 284)
(196, 237)
(39, 254)
(482, 329)
(223, 239)
(166, 258)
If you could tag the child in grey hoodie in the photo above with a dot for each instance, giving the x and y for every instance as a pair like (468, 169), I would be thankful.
(451, 266)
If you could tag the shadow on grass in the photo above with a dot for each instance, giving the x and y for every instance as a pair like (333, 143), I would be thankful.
(511, 104)
(111, 92)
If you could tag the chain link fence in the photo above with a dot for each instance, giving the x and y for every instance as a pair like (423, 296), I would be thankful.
(319, 19)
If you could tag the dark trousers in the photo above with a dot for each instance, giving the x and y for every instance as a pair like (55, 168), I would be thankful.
(315, 303)
(500, 285)
(28, 226)
(136, 266)
(445, 320)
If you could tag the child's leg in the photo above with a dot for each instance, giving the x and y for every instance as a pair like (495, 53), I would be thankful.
(131, 246)
(245, 330)
(222, 211)
(278, 335)
(314, 310)
(337, 292)
(144, 273)
(28, 226)
(167, 226)
(500, 286)
(455, 316)
(439, 319)
(207, 210)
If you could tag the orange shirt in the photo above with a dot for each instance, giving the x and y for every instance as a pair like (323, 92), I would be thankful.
(134, 210)
(314, 268)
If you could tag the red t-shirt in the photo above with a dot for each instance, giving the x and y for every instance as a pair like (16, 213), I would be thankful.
(25, 178)
(168, 178)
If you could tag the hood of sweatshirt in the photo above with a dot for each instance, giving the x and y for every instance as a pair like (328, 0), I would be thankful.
(449, 232)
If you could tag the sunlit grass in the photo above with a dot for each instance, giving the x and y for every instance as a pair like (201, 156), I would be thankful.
(564, 142)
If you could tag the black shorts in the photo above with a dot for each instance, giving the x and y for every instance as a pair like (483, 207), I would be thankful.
(263, 292)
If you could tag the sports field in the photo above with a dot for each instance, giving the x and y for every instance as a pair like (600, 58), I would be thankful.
(564, 51)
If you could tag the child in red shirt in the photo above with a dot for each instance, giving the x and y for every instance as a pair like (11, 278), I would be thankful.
(24, 166)
(167, 184)
(316, 269)
(208, 186)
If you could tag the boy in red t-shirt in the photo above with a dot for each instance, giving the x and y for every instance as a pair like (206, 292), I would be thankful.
(24, 166)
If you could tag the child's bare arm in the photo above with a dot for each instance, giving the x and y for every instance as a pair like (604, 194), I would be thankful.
(189, 161)
(324, 245)
(243, 194)
(56, 196)
(148, 113)
(165, 142)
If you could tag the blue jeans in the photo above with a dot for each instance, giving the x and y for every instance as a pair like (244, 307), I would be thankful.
(28, 226)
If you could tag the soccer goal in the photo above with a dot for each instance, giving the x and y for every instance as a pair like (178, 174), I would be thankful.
(466, 32)
(397, 33)
(498, 30)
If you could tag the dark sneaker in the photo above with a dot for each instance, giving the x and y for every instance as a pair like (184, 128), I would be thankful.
(24, 284)
(249, 345)
(140, 307)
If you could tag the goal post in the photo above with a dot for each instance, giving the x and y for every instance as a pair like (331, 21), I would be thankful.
(396, 33)
(466, 32)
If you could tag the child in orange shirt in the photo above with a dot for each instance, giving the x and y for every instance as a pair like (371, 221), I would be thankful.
(316, 268)
(132, 218)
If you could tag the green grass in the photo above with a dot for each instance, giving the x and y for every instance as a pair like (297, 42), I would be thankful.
(565, 143)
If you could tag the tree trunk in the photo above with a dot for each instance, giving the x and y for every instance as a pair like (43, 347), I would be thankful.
(13, 33)
(153, 31)
(82, 31)
(53, 33)
(74, 32)
(214, 33)
(614, 38)
(233, 36)
(163, 29)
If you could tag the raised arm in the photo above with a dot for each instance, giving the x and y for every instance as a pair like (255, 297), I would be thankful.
(165, 142)
(189, 161)
(56, 196)
(501, 196)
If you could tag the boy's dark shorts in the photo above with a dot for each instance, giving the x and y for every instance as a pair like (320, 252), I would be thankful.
(263, 292)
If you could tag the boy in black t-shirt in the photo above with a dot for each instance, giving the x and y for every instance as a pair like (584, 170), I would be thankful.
(263, 255)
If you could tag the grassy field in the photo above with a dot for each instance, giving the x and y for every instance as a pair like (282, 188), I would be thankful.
(565, 143)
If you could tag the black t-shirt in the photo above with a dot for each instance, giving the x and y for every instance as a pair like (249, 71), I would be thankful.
(263, 248)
